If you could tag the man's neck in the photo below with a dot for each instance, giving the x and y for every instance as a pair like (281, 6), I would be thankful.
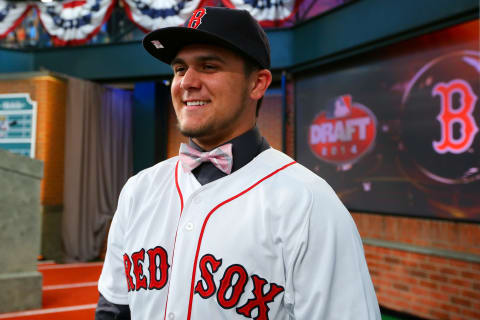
(245, 148)
(207, 143)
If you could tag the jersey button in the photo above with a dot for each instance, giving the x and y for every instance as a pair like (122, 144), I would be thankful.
(189, 226)
(171, 316)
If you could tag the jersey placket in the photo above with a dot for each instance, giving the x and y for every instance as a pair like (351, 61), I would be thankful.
(195, 208)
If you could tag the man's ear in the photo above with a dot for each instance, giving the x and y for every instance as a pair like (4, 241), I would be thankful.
(261, 80)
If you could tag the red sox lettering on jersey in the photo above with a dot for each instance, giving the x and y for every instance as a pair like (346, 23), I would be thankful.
(158, 267)
(137, 260)
(260, 299)
(449, 115)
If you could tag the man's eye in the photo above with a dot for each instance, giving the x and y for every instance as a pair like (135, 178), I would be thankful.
(210, 67)
(179, 69)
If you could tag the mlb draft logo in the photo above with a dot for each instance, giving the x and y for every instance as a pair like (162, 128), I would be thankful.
(343, 133)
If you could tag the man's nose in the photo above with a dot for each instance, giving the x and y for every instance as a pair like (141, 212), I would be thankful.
(190, 80)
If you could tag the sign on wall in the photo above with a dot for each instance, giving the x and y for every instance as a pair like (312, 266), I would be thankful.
(18, 119)
(342, 132)
(398, 130)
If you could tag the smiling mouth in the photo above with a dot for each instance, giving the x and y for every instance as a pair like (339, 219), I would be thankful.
(196, 103)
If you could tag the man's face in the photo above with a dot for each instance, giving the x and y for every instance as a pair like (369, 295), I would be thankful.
(210, 94)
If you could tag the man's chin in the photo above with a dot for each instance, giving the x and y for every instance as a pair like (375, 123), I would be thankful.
(194, 132)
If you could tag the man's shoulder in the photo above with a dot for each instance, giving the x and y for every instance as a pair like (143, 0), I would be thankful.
(158, 172)
(300, 185)
(297, 189)
(299, 181)
(296, 174)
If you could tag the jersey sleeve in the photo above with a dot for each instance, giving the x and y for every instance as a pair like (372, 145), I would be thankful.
(112, 283)
(110, 311)
(327, 275)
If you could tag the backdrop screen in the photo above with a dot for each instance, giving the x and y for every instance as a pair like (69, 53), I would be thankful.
(398, 131)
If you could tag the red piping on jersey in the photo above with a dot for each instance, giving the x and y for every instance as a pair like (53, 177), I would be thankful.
(205, 224)
(178, 189)
(175, 241)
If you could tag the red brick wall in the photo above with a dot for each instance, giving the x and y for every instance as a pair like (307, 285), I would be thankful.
(455, 236)
(433, 286)
(269, 121)
(173, 134)
(49, 93)
(425, 285)
(290, 123)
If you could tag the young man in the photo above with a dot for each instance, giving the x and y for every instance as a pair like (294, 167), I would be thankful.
(208, 235)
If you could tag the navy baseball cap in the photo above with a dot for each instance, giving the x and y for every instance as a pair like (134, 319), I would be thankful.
(230, 28)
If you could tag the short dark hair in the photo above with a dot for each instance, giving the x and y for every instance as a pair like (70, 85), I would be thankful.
(250, 66)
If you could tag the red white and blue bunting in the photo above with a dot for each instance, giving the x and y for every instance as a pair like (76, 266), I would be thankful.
(11, 15)
(149, 15)
(269, 13)
(77, 21)
(74, 22)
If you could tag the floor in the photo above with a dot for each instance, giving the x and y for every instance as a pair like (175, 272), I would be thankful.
(69, 293)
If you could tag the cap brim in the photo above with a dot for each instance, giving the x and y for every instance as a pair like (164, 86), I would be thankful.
(165, 43)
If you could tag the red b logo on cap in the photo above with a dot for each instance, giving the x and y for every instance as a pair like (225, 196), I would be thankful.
(196, 18)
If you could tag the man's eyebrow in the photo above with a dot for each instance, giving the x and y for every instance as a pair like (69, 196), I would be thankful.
(211, 58)
(177, 61)
(204, 58)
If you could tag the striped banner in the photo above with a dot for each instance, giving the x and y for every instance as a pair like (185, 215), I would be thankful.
(74, 22)
(269, 13)
(149, 15)
(11, 15)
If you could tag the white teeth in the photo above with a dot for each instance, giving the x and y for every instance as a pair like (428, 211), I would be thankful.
(196, 103)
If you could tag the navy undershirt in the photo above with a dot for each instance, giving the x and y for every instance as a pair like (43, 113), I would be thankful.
(245, 147)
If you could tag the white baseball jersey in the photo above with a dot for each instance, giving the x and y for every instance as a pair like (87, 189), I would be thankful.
(270, 241)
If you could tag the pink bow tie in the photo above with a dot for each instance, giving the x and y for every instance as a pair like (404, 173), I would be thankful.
(221, 157)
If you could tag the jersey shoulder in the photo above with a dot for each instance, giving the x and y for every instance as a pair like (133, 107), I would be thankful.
(298, 184)
(296, 176)
(144, 183)
(158, 172)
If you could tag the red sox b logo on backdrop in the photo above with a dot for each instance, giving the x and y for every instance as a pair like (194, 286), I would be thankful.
(463, 115)
(196, 18)
(440, 117)
(342, 133)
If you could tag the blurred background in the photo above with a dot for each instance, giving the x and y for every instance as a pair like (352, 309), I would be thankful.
(378, 97)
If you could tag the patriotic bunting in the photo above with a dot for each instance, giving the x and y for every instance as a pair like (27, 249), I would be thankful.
(11, 15)
(149, 15)
(74, 22)
(269, 13)
(77, 21)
